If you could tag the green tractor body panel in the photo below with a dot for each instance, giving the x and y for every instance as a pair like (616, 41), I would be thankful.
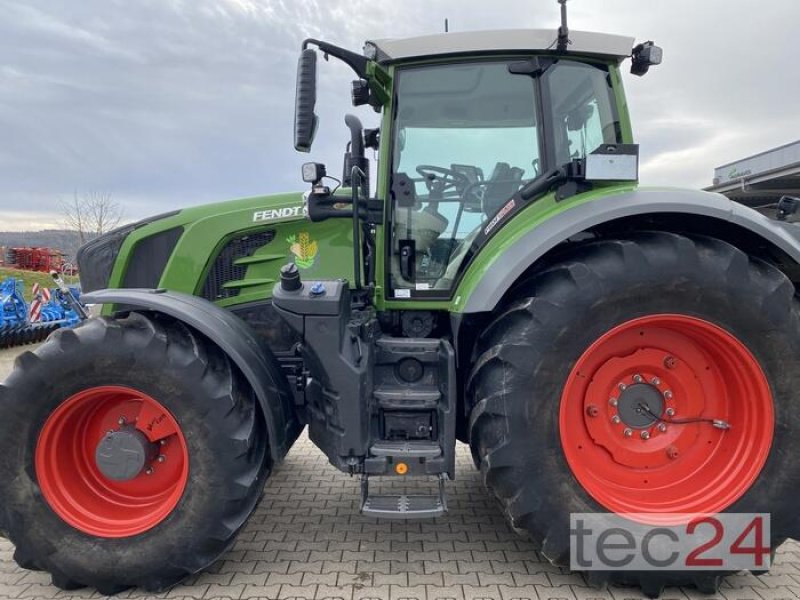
(533, 217)
(320, 250)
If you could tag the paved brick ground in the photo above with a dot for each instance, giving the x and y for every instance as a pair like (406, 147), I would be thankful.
(307, 540)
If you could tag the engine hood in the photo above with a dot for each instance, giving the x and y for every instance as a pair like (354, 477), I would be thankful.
(249, 211)
(142, 249)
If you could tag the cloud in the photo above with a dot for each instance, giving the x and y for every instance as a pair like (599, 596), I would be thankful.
(167, 103)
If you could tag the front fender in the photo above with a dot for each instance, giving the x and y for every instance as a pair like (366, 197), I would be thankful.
(487, 291)
(236, 339)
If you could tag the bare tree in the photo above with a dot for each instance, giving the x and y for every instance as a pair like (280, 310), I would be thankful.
(91, 214)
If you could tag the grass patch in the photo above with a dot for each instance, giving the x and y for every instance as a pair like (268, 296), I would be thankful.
(30, 277)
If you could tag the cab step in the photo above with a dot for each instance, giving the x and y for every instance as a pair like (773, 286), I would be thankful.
(406, 450)
(403, 506)
(408, 398)
(411, 458)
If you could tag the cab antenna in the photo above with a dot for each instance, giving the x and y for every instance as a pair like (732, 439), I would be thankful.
(563, 30)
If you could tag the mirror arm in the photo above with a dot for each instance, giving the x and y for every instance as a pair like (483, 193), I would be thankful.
(355, 61)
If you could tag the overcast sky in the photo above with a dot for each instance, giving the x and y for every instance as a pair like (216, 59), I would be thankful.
(168, 103)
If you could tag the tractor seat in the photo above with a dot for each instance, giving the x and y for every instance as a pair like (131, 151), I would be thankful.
(499, 188)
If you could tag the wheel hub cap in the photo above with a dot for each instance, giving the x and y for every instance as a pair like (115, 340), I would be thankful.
(640, 405)
(122, 455)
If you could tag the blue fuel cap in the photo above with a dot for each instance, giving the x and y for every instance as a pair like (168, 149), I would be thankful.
(318, 289)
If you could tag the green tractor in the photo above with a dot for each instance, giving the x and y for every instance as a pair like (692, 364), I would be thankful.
(504, 283)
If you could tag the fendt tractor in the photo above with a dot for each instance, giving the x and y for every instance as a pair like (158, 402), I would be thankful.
(602, 347)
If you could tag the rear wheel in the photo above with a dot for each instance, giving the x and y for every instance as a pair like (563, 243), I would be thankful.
(132, 452)
(596, 388)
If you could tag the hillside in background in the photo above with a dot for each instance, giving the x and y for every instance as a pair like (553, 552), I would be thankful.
(61, 239)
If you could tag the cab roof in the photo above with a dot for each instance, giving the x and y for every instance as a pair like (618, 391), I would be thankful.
(497, 41)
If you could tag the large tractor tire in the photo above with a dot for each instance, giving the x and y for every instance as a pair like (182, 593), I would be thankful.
(691, 327)
(131, 453)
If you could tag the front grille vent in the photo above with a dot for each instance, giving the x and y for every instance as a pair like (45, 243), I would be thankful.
(149, 259)
(224, 270)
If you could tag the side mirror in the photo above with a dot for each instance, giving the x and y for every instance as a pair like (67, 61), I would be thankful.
(645, 56)
(305, 119)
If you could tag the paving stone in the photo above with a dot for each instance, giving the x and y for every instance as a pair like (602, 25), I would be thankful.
(525, 592)
(434, 592)
(298, 592)
(380, 592)
(403, 592)
(248, 579)
(261, 591)
(489, 592)
(345, 592)
(226, 591)
(740, 593)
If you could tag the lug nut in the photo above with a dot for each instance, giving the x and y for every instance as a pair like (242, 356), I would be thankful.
(622, 387)
(628, 432)
(668, 394)
(163, 442)
(121, 421)
(161, 458)
(613, 401)
(672, 452)
(592, 410)
(637, 378)
(615, 419)
(670, 412)
(148, 471)
(662, 427)
(645, 435)
(655, 381)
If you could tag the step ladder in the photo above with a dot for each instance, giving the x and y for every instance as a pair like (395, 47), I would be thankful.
(413, 410)
(403, 506)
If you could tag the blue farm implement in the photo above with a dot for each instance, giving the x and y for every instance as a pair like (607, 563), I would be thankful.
(23, 323)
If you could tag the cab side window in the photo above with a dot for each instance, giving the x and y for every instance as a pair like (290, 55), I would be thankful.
(583, 116)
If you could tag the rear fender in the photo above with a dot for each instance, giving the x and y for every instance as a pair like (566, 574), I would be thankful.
(532, 245)
(236, 339)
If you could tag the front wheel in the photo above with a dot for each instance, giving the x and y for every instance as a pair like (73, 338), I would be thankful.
(651, 375)
(131, 453)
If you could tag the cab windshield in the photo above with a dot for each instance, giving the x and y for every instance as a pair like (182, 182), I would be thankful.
(467, 137)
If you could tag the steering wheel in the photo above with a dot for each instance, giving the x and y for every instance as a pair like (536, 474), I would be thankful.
(438, 179)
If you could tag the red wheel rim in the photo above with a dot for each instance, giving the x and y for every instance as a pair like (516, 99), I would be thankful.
(73, 484)
(695, 369)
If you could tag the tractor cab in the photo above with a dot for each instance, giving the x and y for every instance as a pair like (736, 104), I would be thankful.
(476, 126)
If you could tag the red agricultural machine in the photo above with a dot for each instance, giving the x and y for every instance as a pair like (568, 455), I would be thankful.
(35, 259)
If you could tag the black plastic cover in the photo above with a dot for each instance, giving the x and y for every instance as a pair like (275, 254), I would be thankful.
(96, 258)
(149, 259)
